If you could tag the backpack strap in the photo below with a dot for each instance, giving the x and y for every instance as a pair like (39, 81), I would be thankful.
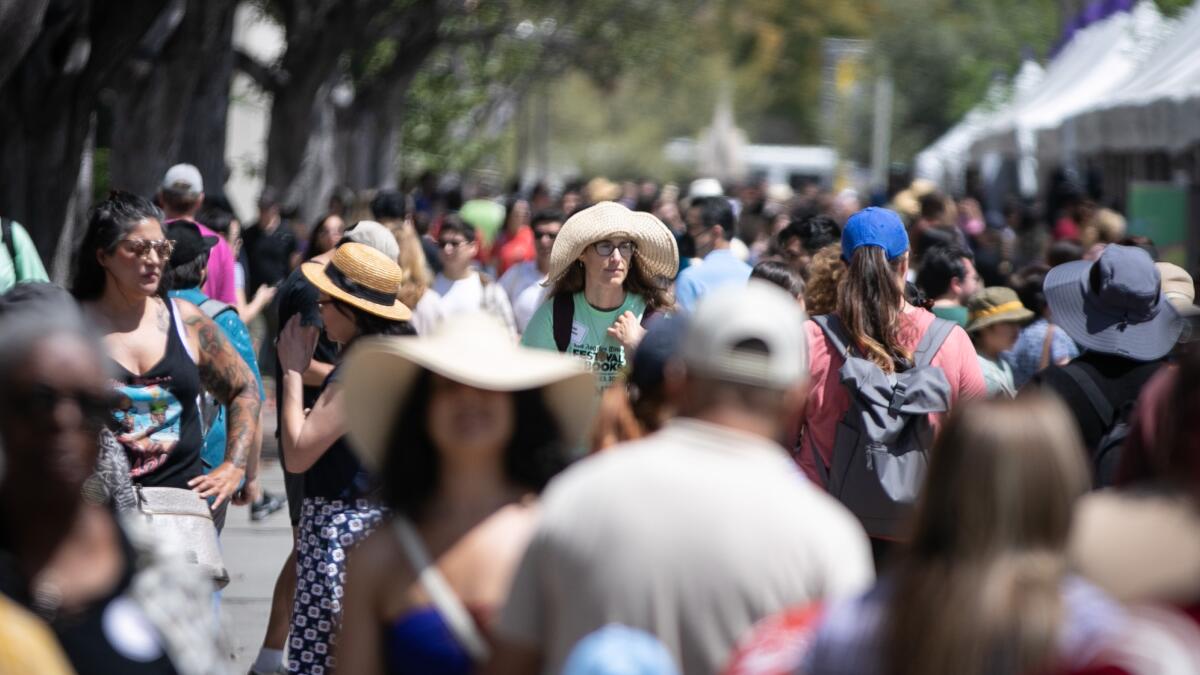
(213, 308)
(1095, 396)
(832, 327)
(7, 234)
(1047, 344)
(932, 341)
(563, 317)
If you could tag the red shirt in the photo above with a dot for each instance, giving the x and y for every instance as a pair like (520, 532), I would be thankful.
(513, 249)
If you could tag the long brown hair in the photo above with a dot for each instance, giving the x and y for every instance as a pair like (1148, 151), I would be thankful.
(417, 277)
(870, 303)
(638, 282)
(978, 590)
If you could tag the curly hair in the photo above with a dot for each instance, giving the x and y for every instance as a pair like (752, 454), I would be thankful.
(411, 470)
(639, 282)
(825, 273)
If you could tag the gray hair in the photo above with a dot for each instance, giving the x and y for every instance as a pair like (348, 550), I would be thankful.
(31, 312)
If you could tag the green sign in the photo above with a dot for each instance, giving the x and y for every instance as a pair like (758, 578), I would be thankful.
(1160, 211)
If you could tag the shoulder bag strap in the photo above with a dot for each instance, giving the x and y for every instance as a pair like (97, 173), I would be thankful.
(932, 341)
(1047, 343)
(444, 598)
(563, 317)
(1092, 390)
(832, 327)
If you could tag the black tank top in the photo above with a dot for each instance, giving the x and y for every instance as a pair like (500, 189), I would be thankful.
(157, 420)
(338, 474)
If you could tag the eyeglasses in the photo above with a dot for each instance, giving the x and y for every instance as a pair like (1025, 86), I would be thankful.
(41, 401)
(606, 248)
(453, 245)
(142, 247)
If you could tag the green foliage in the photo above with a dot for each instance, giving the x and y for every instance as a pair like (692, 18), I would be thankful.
(943, 55)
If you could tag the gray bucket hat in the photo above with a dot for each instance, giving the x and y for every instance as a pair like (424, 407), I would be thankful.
(1114, 305)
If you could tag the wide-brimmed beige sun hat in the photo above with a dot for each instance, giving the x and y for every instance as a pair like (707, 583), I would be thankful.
(473, 349)
(657, 252)
(362, 277)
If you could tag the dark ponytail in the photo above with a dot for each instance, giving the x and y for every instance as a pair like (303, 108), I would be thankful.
(870, 301)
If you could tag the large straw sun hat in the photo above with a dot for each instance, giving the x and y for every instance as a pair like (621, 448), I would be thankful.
(657, 251)
(473, 349)
(362, 277)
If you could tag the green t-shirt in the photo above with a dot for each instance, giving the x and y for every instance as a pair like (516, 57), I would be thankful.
(956, 313)
(28, 265)
(590, 340)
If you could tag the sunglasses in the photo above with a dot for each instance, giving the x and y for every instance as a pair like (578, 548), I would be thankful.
(453, 245)
(41, 401)
(606, 248)
(142, 247)
(542, 234)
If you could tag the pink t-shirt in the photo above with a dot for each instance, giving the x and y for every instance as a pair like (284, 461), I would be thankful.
(828, 399)
(221, 284)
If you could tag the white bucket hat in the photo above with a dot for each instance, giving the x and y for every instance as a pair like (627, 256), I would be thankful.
(657, 252)
(472, 349)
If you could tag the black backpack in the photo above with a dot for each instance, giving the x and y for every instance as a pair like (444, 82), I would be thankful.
(1106, 456)
(564, 316)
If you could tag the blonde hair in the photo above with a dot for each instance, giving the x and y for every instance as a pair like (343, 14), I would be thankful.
(415, 268)
(825, 272)
(978, 591)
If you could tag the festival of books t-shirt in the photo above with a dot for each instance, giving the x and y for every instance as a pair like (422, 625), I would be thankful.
(590, 340)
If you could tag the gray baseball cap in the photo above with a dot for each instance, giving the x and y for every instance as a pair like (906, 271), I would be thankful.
(183, 178)
(752, 334)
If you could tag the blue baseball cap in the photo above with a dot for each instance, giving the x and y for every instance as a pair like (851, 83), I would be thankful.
(875, 226)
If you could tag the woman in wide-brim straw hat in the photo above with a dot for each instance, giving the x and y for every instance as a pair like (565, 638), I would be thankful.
(464, 428)
(610, 269)
(357, 298)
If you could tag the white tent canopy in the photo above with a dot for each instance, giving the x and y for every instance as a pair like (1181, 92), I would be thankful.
(1157, 108)
(1099, 59)
(945, 160)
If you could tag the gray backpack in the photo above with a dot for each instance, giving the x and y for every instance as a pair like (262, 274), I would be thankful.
(880, 450)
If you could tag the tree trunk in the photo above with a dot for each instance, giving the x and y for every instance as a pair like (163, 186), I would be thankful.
(203, 143)
(20, 23)
(150, 112)
(48, 105)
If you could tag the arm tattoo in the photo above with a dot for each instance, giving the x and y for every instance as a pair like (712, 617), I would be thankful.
(162, 316)
(229, 379)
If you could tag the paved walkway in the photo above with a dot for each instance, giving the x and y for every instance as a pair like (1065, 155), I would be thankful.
(254, 553)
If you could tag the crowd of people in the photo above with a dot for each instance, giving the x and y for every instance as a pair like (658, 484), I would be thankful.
(620, 428)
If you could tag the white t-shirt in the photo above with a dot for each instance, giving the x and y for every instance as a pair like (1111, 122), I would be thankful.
(523, 285)
(428, 312)
(693, 534)
(461, 296)
(470, 295)
(526, 304)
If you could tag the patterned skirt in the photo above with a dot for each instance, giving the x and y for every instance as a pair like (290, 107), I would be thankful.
(328, 530)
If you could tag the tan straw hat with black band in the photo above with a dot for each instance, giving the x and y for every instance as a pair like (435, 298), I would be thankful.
(657, 252)
(996, 304)
(361, 277)
(474, 349)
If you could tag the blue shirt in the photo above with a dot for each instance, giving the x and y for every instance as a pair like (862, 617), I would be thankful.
(1026, 354)
(720, 268)
(235, 331)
